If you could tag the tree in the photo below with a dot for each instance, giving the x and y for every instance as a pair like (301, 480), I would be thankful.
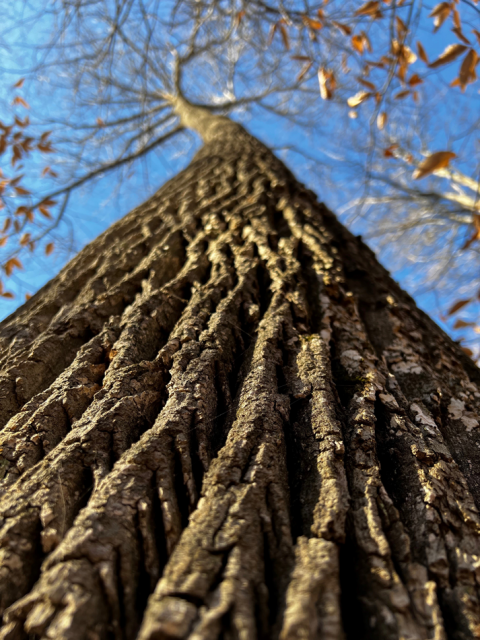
(224, 419)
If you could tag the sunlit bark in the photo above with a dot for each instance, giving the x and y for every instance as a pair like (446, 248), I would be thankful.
(223, 419)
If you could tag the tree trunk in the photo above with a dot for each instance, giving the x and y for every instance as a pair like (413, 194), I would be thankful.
(223, 419)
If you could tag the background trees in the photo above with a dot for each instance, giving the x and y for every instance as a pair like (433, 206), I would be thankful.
(341, 89)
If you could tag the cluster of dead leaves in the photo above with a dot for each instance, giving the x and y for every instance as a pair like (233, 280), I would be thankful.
(15, 222)
(397, 60)
(460, 323)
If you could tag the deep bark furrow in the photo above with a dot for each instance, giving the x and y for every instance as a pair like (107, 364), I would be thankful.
(48, 417)
(387, 596)
(238, 478)
(120, 500)
(52, 491)
(112, 423)
(444, 526)
(95, 277)
(36, 368)
(443, 388)
(139, 334)
(428, 365)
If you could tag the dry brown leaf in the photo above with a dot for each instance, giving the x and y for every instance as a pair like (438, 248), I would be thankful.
(26, 144)
(387, 61)
(284, 34)
(371, 8)
(388, 153)
(402, 94)
(421, 52)
(460, 36)
(458, 305)
(414, 80)
(366, 42)
(382, 120)
(344, 28)
(361, 42)
(20, 100)
(44, 211)
(439, 14)
(402, 71)
(367, 84)
(432, 163)
(402, 52)
(238, 18)
(17, 154)
(357, 43)
(46, 148)
(358, 98)
(49, 248)
(312, 24)
(19, 84)
(48, 202)
(22, 123)
(451, 53)
(467, 70)
(22, 192)
(327, 82)
(461, 324)
(376, 64)
(456, 18)
(16, 180)
(11, 264)
(401, 27)
(476, 231)
(271, 33)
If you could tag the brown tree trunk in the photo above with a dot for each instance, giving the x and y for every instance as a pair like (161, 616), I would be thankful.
(223, 419)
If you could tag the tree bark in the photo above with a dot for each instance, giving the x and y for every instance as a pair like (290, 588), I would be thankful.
(223, 419)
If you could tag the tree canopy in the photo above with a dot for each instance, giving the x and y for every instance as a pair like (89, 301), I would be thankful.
(375, 105)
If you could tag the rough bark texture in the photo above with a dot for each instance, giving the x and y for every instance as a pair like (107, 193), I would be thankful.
(223, 419)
